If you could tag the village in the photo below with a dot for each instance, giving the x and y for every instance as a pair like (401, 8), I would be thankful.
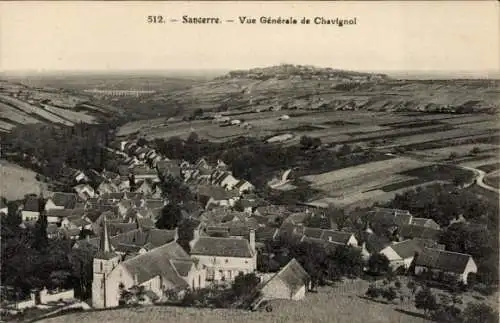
(163, 230)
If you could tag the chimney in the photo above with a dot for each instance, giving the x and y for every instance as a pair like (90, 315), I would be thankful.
(252, 240)
(136, 279)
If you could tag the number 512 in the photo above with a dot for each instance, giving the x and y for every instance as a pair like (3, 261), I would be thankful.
(156, 20)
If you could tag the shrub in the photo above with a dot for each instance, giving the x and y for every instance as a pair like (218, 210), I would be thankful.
(373, 291)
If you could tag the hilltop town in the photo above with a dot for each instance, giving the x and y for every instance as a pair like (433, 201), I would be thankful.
(259, 206)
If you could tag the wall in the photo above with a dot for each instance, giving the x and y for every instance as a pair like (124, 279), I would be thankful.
(230, 266)
(471, 267)
(50, 205)
(352, 241)
(29, 216)
(46, 297)
(25, 304)
(198, 276)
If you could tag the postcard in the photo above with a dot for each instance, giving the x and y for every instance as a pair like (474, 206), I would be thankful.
(249, 161)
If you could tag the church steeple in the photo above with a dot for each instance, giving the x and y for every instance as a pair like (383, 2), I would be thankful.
(105, 244)
(105, 247)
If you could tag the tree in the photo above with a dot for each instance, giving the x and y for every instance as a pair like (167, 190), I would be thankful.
(426, 301)
(345, 150)
(479, 313)
(338, 216)
(475, 151)
(373, 291)
(453, 155)
(245, 284)
(141, 142)
(317, 221)
(197, 113)
(186, 233)
(81, 260)
(378, 264)
(170, 218)
(389, 294)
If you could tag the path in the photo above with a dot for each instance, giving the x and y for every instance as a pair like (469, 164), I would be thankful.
(480, 179)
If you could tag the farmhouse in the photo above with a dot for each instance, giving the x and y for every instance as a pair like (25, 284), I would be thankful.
(61, 201)
(291, 282)
(167, 267)
(84, 191)
(224, 258)
(444, 265)
(31, 209)
(422, 232)
(401, 254)
(424, 222)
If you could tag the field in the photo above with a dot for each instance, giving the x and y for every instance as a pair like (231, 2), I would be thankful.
(493, 179)
(332, 305)
(17, 181)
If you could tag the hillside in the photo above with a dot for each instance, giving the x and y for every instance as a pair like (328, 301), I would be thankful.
(306, 87)
(95, 98)
(22, 104)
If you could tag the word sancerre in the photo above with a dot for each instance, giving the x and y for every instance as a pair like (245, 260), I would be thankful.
(200, 20)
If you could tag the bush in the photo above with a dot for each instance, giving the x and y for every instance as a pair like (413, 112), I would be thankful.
(447, 314)
(373, 291)
(389, 294)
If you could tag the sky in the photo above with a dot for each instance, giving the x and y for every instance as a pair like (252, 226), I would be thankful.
(448, 36)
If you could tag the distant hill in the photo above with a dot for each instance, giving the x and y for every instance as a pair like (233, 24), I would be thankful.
(66, 99)
(308, 87)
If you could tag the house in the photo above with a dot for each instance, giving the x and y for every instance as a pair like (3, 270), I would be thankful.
(284, 117)
(164, 268)
(332, 236)
(76, 221)
(224, 258)
(110, 176)
(416, 231)
(31, 209)
(387, 221)
(107, 187)
(168, 168)
(444, 265)
(213, 195)
(61, 201)
(425, 222)
(401, 254)
(143, 172)
(291, 282)
(145, 187)
(84, 191)
(243, 187)
(57, 216)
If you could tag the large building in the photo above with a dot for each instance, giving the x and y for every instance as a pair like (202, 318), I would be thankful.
(164, 268)
(224, 257)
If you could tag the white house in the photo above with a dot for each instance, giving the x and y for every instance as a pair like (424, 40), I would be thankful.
(445, 265)
(31, 209)
(401, 254)
(291, 282)
(224, 258)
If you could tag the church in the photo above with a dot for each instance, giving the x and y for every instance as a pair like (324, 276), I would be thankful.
(164, 268)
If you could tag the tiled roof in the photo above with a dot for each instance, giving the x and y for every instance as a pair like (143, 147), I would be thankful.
(384, 216)
(292, 275)
(408, 248)
(443, 260)
(415, 231)
(265, 234)
(66, 200)
(336, 236)
(155, 237)
(32, 204)
(183, 266)
(424, 222)
(158, 262)
(222, 247)
(154, 204)
(218, 193)
(312, 232)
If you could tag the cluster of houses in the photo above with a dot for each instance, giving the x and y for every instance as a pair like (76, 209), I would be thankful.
(117, 216)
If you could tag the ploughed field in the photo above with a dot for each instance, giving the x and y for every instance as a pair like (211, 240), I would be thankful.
(423, 140)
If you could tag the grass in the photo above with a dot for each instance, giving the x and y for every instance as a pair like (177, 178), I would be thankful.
(340, 304)
(438, 172)
(488, 168)
(493, 180)
(17, 181)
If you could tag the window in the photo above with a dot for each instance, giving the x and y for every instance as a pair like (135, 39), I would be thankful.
(100, 263)
(227, 260)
